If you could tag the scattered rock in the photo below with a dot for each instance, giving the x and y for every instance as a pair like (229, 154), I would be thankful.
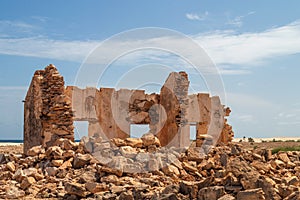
(11, 166)
(135, 171)
(96, 187)
(210, 193)
(75, 189)
(257, 194)
(80, 160)
(27, 182)
(134, 142)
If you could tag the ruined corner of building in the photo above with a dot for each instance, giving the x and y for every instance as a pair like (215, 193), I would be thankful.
(50, 110)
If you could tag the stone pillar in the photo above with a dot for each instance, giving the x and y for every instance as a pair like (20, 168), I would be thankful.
(109, 107)
(217, 119)
(32, 113)
(174, 99)
(204, 103)
(48, 112)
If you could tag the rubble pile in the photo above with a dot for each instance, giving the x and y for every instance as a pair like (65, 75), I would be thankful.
(139, 168)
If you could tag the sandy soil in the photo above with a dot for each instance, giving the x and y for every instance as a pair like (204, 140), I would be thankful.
(268, 139)
(267, 145)
(6, 148)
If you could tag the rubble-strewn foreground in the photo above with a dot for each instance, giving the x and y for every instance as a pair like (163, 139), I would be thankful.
(68, 170)
(157, 166)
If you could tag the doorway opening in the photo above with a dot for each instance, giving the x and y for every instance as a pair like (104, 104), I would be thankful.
(138, 130)
(193, 131)
(80, 129)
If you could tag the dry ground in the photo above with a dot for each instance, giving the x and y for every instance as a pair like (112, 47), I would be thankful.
(267, 145)
(11, 149)
(18, 149)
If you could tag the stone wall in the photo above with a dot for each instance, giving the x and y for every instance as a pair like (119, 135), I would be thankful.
(50, 110)
(32, 112)
(47, 110)
(109, 112)
(174, 100)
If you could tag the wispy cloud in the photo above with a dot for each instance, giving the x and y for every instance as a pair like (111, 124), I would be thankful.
(47, 48)
(40, 18)
(9, 28)
(198, 17)
(289, 116)
(244, 117)
(232, 52)
(238, 20)
(251, 48)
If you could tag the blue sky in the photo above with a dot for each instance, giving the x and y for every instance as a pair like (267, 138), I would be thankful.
(254, 44)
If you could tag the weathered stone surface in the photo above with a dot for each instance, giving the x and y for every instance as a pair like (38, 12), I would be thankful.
(75, 189)
(13, 192)
(149, 139)
(11, 166)
(227, 197)
(36, 150)
(174, 99)
(27, 182)
(51, 171)
(284, 157)
(126, 195)
(81, 160)
(189, 188)
(96, 187)
(251, 194)
(210, 193)
(134, 142)
(293, 196)
(171, 170)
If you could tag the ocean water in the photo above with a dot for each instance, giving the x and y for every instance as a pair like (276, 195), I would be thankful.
(11, 141)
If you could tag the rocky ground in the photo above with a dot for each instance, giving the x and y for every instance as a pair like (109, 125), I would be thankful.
(267, 145)
(11, 149)
(141, 169)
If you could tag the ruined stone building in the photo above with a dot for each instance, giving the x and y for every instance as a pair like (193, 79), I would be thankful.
(51, 108)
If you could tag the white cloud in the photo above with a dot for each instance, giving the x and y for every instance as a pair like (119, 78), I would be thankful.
(238, 20)
(233, 52)
(244, 117)
(8, 28)
(199, 17)
(47, 48)
(40, 18)
(251, 48)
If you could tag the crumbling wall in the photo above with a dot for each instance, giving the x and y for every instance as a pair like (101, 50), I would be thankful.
(209, 115)
(48, 112)
(109, 112)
